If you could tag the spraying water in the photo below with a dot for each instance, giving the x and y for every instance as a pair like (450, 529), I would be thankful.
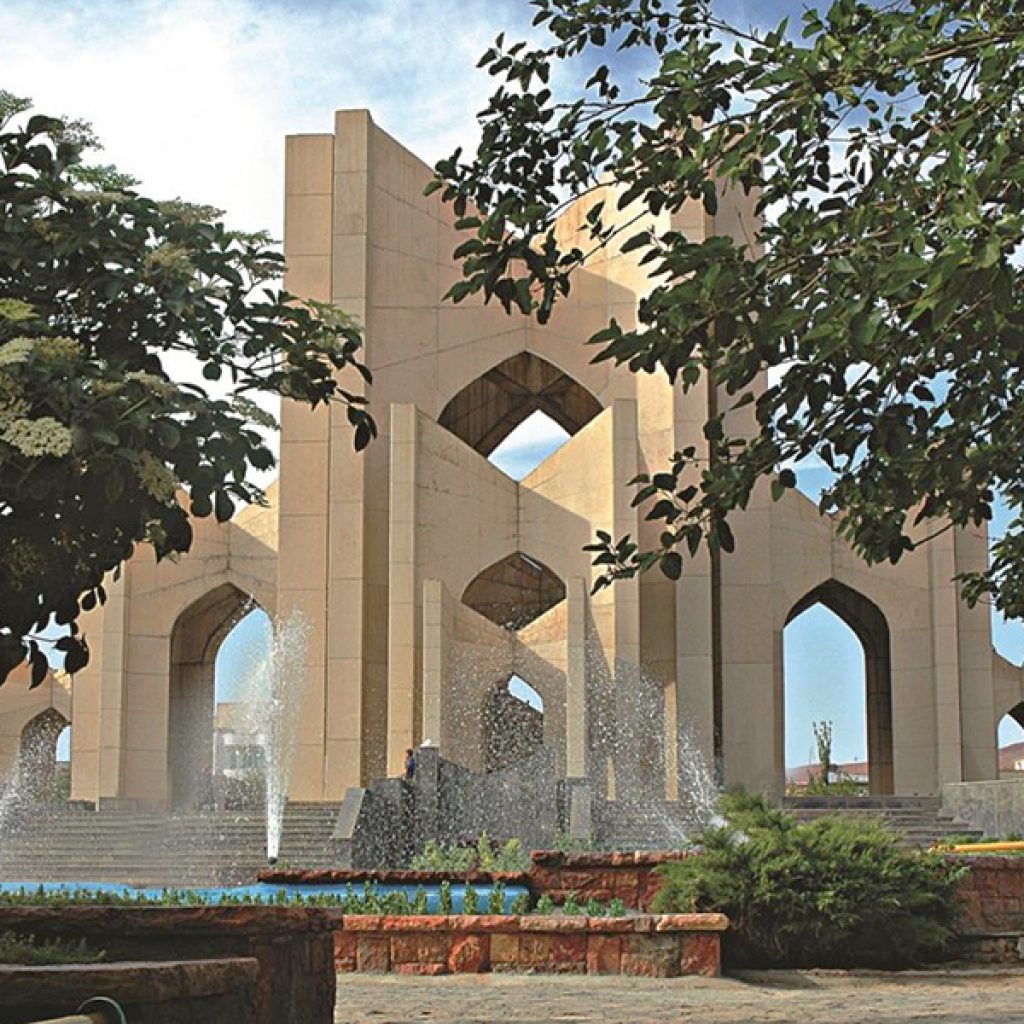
(273, 693)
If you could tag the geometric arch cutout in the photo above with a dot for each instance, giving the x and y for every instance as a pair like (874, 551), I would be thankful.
(489, 408)
(868, 623)
(514, 591)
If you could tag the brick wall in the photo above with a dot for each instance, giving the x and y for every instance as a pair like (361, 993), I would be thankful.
(292, 945)
(661, 946)
(992, 894)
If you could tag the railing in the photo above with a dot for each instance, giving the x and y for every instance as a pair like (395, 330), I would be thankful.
(98, 1010)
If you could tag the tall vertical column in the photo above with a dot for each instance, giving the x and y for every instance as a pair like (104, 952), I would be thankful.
(305, 452)
(347, 612)
(576, 679)
(436, 654)
(694, 698)
(403, 631)
(977, 688)
(945, 604)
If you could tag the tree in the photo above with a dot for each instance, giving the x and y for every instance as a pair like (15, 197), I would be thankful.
(885, 144)
(823, 743)
(100, 448)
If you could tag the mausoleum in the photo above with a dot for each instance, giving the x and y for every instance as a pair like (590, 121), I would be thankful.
(429, 578)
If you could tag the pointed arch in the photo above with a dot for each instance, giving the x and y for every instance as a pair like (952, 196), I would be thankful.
(37, 757)
(489, 408)
(513, 723)
(869, 625)
(196, 636)
(514, 591)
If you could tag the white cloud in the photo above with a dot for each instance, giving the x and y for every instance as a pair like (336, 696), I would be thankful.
(195, 97)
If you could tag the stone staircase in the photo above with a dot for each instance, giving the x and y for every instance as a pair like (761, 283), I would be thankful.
(142, 847)
(919, 820)
(662, 825)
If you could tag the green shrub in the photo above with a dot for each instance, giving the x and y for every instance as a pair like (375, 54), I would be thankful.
(471, 901)
(571, 905)
(484, 855)
(520, 904)
(496, 899)
(444, 898)
(836, 892)
(27, 950)
(545, 904)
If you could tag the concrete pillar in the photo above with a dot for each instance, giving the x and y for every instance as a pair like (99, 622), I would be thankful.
(945, 606)
(403, 617)
(111, 703)
(436, 658)
(977, 685)
(576, 679)
(350, 606)
(693, 697)
(305, 452)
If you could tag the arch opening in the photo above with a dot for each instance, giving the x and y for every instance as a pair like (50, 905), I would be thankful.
(838, 671)
(203, 704)
(513, 724)
(514, 591)
(37, 778)
(486, 411)
(528, 445)
(1010, 743)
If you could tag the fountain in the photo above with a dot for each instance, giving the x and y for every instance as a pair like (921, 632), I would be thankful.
(273, 692)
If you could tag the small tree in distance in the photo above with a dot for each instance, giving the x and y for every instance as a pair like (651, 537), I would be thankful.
(823, 743)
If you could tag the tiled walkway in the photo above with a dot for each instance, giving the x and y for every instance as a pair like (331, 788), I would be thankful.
(780, 996)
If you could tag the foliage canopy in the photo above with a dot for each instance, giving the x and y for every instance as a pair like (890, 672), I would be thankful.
(885, 146)
(101, 448)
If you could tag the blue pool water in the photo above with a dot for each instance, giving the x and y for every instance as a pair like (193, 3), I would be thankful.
(268, 892)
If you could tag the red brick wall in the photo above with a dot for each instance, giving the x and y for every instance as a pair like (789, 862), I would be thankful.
(663, 946)
(630, 877)
(293, 946)
(992, 894)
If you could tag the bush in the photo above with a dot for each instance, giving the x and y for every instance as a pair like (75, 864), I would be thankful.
(30, 951)
(837, 892)
(484, 855)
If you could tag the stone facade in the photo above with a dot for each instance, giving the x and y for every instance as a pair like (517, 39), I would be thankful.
(653, 946)
(429, 577)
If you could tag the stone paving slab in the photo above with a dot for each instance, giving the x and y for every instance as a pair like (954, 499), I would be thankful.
(779, 997)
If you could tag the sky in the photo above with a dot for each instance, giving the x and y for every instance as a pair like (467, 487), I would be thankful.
(195, 97)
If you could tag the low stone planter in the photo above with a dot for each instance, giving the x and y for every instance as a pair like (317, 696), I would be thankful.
(291, 946)
(193, 991)
(651, 945)
(630, 877)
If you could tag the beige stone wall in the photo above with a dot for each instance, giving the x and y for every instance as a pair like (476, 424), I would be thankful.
(377, 549)
(123, 740)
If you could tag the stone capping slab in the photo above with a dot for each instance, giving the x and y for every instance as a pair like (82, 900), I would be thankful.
(244, 919)
(638, 858)
(388, 876)
(128, 981)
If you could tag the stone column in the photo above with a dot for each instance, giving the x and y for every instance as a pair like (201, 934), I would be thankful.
(403, 624)
(576, 679)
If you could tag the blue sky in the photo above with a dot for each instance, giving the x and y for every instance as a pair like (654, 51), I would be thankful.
(195, 97)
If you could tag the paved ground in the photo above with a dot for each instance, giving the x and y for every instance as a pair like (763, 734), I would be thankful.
(808, 997)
